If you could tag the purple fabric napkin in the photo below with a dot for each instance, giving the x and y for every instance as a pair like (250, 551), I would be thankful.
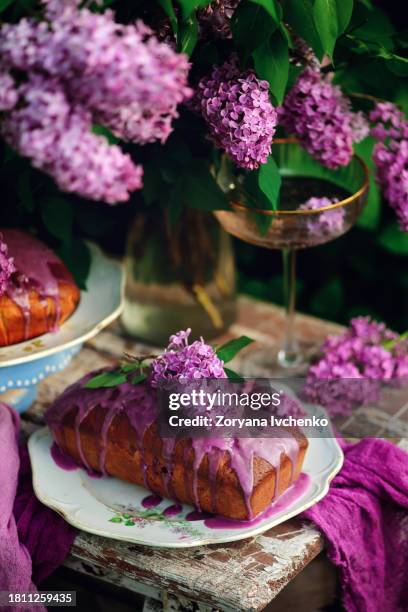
(34, 540)
(365, 521)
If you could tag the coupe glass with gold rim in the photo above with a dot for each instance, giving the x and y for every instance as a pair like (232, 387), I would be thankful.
(291, 228)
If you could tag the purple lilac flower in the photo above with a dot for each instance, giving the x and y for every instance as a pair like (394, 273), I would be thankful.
(8, 92)
(238, 112)
(107, 73)
(391, 157)
(388, 120)
(58, 140)
(392, 173)
(360, 126)
(329, 222)
(314, 110)
(137, 91)
(7, 267)
(353, 364)
(185, 362)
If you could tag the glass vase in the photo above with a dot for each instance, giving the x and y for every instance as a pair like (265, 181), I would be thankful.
(178, 275)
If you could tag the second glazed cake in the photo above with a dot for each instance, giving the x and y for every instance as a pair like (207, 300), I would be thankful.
(40, 295)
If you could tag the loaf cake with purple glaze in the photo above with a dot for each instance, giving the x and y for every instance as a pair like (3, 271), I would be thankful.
(113, 430)
(40, 294)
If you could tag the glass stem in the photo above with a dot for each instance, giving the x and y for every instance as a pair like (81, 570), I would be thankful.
(289, 356)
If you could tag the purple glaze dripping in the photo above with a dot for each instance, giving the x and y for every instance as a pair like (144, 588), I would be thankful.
(38, 268)
(93, 474)
(151, 501)
(168, 445)
(64, 462)
(112, 412)
(172, 510)
(140, 406)
(283, 503)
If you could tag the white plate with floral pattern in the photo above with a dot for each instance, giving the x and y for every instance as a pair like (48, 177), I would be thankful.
(109, 507)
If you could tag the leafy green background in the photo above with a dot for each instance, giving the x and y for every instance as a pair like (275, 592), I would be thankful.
(364, 272)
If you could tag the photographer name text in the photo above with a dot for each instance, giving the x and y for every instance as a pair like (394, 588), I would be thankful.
(221, 420)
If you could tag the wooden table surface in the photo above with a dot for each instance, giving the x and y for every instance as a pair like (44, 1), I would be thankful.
(241, 576)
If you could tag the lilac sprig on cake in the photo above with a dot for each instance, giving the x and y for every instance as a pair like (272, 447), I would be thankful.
(317, 113)
(390, 156)
(353, 365)
(186, 362)
(7, 267)
(328, 222)
(239, 115)
(91, 70)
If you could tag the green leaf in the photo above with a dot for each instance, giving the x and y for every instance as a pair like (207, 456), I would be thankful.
(189, 6)
(129, 523)
(344, 12)
(272, 7)
(367, 4)
(394, 240)
(139, 378)
(398, 66)
(294, 72)
(115, 519)
(200, 190)
(101, 130)
(106, 379)
(4, 4)
(272, 64)
(168, 8)
(375, 26)
(233, 376)
(263, 222)
(77, 258)
(269, 181)
(325, 18)
(127, 368)
(227, 351)
(370, 217)
(251, 25)
(299, 14)
(390, 344)
(137, 365)
(188, 36)
(286, 34)
(57, 215)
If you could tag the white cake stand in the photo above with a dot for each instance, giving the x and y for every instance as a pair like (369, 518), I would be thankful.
(24, 365)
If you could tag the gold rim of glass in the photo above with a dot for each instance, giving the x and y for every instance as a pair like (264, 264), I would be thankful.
(345, 202)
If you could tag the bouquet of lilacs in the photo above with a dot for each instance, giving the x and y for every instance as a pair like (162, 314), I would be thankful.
(141, 97)
(73, 69)
(75, 80)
